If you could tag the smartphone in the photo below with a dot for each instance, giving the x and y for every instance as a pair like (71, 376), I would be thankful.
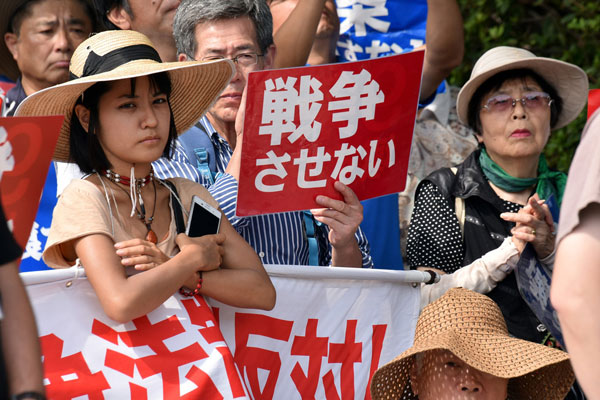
(204, 219)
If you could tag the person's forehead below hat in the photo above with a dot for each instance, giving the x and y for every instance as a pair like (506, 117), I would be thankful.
(471, 326)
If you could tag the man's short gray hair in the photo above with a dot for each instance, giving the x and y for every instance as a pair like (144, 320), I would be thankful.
(192, 12)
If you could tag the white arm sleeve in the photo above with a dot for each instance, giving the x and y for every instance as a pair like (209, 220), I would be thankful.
(481, 276)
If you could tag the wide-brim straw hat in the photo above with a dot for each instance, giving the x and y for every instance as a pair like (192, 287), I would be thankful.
(471, 326)
(8, 65)
(116, 55)
(570, 81)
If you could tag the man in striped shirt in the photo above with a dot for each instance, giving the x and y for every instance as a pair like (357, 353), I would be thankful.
(242, 31)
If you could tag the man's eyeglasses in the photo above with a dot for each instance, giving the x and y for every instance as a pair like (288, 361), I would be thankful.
(243, 59)
(530, 100)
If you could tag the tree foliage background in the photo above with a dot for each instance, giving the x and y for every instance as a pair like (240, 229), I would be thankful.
(567, 30)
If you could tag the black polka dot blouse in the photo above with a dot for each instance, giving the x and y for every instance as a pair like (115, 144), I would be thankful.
(434, 237)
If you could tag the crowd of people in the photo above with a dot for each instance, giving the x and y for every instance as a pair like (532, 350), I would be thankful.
(143, 86)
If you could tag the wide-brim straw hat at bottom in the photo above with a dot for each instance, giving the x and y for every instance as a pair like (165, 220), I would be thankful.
(471, 326)
(570, 82)
(115, 55)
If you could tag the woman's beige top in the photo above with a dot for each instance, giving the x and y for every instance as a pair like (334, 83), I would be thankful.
(85, 209)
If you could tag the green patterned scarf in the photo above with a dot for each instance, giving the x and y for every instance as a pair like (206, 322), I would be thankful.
(548, 182)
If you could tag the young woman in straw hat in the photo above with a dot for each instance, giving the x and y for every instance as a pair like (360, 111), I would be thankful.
(462, 350)
(122, 110)
(513, 100)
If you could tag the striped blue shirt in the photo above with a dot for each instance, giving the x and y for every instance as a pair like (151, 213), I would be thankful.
(277, 238)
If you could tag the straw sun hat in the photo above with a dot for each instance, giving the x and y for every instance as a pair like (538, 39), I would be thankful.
(471, 326)
(115, 55)
(570, 81)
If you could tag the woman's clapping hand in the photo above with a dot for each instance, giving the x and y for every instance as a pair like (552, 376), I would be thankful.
(534, 225)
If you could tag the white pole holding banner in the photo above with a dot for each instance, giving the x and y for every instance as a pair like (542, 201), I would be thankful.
(329, 331)
(408, 276)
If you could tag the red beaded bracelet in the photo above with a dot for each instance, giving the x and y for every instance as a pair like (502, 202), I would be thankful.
(186, 292)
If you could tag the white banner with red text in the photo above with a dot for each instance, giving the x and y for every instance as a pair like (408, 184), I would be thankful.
(329, 331)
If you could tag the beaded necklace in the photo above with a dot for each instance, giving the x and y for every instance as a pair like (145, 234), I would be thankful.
(116, 178)
(135, 194)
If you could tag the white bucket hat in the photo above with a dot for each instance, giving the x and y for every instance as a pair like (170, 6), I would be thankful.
(570, 81)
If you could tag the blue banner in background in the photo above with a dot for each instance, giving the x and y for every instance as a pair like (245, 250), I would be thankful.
(371, 29)
(32, 253)
(375, 28)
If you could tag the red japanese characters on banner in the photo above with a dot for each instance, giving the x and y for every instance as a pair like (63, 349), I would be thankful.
(328, 333)
(319, 352)
(175, 354)
(306, 128)
(26, 148)
(325, 337)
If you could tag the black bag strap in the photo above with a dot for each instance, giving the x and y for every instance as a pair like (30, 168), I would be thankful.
(177, 211)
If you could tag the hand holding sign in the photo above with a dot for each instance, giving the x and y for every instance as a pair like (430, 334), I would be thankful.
(239, 117)
(233, 168)
(343, 219)
(305, 128)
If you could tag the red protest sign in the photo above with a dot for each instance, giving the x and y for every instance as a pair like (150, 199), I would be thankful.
(593, 101)
(26, 148)
(4, 88)
(307, 127)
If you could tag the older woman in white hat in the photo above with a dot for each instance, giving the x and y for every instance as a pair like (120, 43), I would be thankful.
(123, 108)
(513, 101)
(462, 350)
